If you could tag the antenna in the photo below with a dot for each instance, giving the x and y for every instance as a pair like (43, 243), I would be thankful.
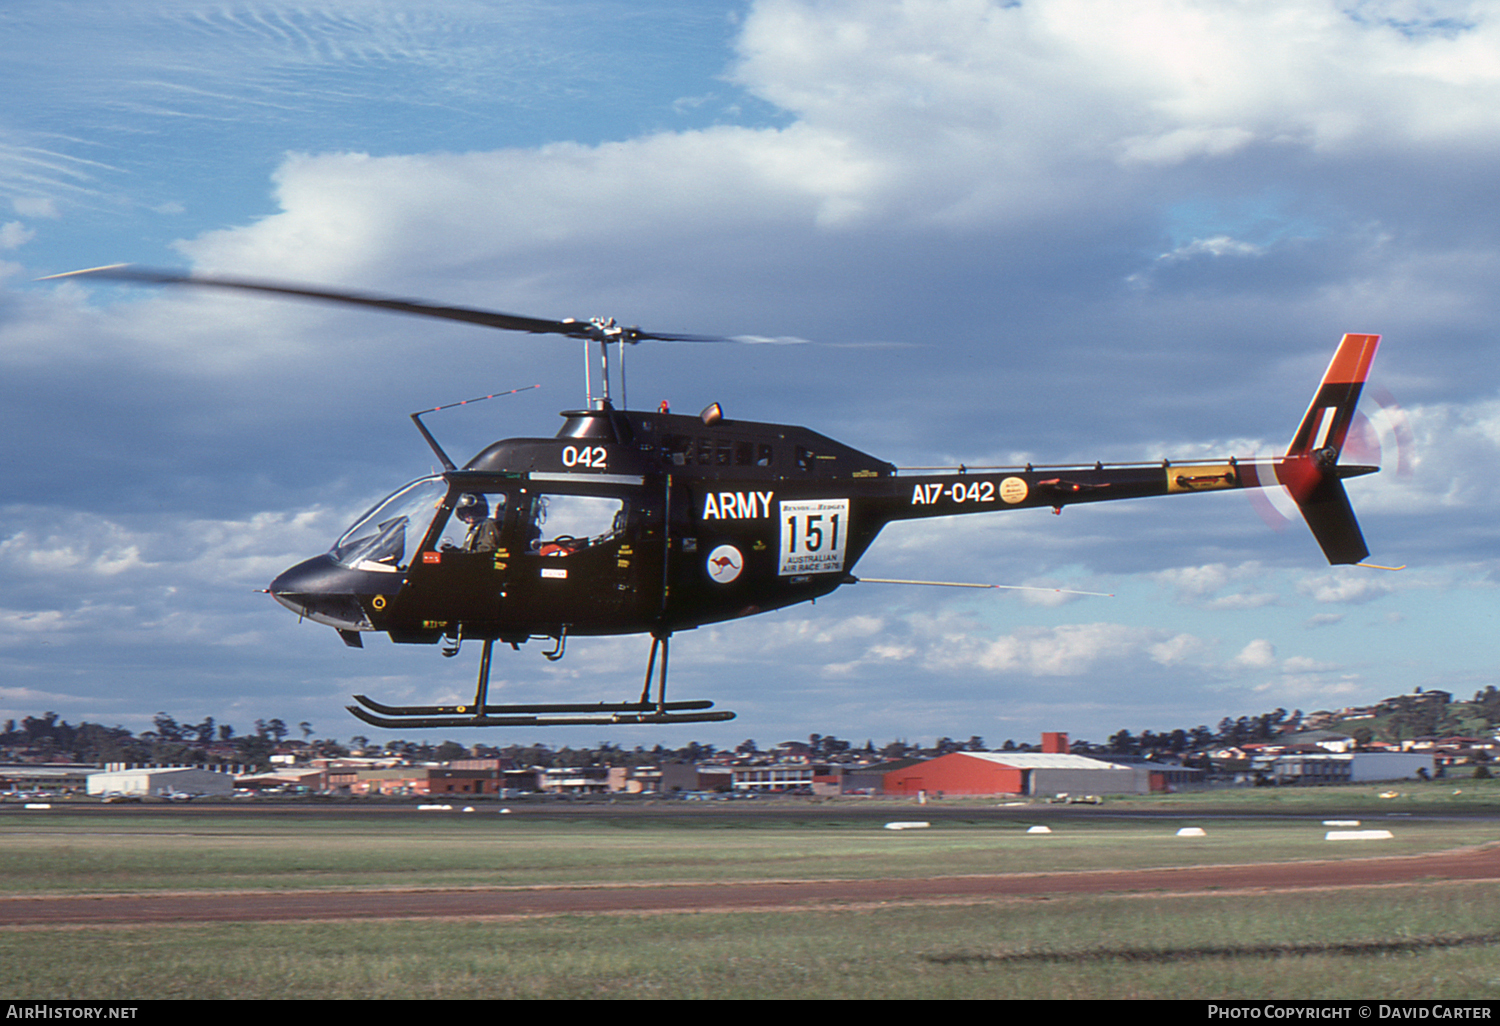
(416, 418)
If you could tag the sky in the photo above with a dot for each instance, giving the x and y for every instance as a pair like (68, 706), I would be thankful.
(1048, 231)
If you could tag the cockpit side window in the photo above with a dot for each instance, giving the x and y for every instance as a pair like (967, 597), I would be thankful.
(476, 523)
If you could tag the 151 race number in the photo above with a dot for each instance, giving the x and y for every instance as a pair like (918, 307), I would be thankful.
(812, 536)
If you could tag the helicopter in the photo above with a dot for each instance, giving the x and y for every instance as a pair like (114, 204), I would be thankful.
(650, 522)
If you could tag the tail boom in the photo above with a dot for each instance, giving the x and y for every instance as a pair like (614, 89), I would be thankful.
(1309, 470)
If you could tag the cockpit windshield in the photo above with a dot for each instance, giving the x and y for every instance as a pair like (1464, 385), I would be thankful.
(381, 539)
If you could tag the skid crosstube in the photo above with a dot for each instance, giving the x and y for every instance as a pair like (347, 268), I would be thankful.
(542, 715)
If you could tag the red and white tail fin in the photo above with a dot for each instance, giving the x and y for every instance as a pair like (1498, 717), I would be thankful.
(1310, 469)
(1327, 421)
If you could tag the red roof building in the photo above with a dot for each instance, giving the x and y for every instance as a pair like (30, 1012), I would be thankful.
(1017, 773)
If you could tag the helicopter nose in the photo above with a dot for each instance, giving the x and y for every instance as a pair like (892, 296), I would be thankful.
(324, 592)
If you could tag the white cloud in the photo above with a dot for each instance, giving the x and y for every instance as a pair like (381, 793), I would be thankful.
(1181, 649)
(14, 234)
(1182, 144)
(35, 206)
(1345, 587)
(956, 113)
(1067, 650)
(1219, 245)
(1158, 81)
(1195, 581)
(1258, 653)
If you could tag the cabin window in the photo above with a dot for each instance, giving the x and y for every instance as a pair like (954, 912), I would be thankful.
(679, 449)
(561, 525)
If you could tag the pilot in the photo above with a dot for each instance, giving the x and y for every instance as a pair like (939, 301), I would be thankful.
(484, 532)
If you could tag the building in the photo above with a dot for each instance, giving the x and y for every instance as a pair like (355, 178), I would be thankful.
(778, 776)
(426, 780)
(687, 776)
(161, 780)
(44, 778)
(1015, 773)
(1353, 768)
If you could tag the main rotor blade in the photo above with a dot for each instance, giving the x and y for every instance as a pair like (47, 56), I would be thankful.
(595, 330)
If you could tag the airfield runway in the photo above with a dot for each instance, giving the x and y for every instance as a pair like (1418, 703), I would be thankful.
(502, 902)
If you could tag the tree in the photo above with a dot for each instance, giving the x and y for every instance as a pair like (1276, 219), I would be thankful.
(694, 752)
(166, 727)
(451, 750)
(255, 749)
(895, 750)
(36, 729)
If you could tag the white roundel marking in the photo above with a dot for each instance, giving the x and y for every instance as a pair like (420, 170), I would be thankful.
(1013, 490)
(725, 563)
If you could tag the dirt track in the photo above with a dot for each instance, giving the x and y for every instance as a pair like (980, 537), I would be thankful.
(1483, 864)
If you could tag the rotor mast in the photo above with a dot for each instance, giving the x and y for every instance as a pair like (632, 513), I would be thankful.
(606, 332)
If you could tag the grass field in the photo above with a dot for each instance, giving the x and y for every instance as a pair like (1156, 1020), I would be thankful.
(1432, 940)
(74, 854)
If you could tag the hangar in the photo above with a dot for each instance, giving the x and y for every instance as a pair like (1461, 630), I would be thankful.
(1028, 773)
(155, 780)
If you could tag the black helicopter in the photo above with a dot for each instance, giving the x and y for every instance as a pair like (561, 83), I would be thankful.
(631, 521)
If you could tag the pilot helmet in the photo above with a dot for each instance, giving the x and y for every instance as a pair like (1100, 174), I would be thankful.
(472, 508)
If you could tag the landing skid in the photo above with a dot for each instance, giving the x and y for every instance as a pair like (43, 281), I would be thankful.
(554, 715)
(481, 714)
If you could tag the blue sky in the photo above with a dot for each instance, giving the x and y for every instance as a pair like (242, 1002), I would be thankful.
(1054, 230)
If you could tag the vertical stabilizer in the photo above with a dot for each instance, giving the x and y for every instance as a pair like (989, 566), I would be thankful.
(1326, 423)
(1310, 469)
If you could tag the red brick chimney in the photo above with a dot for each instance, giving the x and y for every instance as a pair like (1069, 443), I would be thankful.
(1054, 743)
